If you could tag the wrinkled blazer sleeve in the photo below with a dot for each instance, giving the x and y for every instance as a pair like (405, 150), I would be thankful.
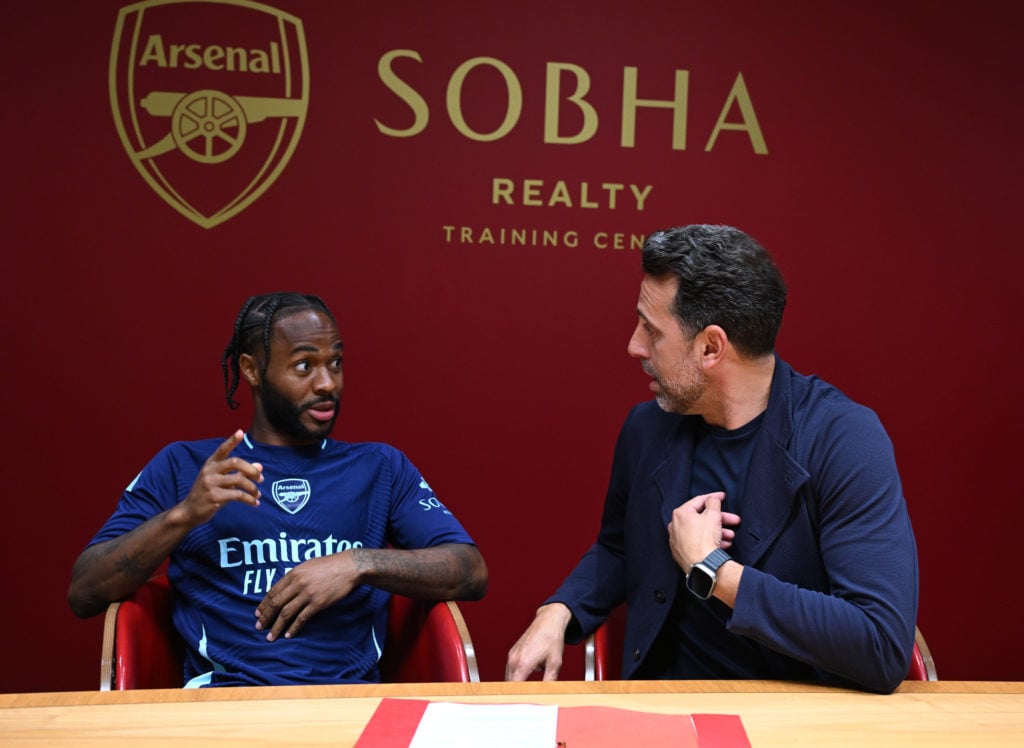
(858, 620)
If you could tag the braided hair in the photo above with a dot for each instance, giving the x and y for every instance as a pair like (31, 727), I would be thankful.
(253, 325)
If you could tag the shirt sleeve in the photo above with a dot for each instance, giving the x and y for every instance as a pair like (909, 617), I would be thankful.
(418, 518)
(154, 490)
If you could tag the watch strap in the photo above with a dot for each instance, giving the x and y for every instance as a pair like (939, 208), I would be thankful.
(714, 560)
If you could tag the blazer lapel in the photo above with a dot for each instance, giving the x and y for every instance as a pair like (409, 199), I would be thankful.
(768, 497)
(672, 474)
(773, 477)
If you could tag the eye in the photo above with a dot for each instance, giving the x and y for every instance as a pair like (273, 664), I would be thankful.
(303, 366)
(336, 363)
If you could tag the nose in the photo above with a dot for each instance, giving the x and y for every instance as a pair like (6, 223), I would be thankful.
(326, 381)
(637, 347)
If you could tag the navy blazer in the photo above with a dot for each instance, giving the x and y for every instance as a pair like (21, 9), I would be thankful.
(830, 584)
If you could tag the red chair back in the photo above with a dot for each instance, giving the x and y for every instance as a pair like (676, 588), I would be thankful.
(426, 642)
(144, 650)
(603, 656)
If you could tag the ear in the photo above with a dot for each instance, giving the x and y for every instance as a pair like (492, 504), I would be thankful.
(713, 343)
(251, 372)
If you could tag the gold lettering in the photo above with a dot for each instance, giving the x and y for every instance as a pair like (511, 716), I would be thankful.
(154, 52)
(421, 113)
(551, 102)
(560, 195)
(556, 98)
(641, 196)
(678, 105)
(741, 96)
(196, 56)
(512, 111)
(612, 190)
(535, 193)
(604, 240)
(237, 59)
(510, 237)
(584, 202)
(260, 61)
(195, 60)
(501, 188)
(212, 56)
(176, 49)
(531, 191)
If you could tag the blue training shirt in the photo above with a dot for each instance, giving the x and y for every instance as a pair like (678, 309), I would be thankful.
(316, 501)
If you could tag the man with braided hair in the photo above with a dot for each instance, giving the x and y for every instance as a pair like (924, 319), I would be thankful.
(284, 545)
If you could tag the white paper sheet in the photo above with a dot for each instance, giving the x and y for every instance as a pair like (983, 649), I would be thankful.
(447, 725)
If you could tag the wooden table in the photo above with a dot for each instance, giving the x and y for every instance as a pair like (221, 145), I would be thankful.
(931, 715)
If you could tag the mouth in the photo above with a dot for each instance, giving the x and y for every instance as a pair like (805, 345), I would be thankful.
(323, 411)
(654, 384)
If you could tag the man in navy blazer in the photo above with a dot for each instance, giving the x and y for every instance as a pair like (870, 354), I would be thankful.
(754, 524)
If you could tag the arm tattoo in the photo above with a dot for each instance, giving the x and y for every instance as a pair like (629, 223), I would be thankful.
(443, 572)
(130, 566)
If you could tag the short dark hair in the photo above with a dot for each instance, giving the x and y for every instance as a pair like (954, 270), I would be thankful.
(254, 324)
(726, 278)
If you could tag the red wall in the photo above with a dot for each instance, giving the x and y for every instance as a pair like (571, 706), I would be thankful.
(887, 193)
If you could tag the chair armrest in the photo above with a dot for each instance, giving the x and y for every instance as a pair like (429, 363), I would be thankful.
(922, 666)
(467, 641)
(107, 648)
(427, 642)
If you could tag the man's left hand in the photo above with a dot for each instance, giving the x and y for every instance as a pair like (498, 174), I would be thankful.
(304, 591)
(698, 527)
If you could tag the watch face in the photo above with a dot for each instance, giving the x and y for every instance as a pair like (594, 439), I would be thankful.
(700, 581)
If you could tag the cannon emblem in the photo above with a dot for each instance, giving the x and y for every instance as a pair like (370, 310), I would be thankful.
(209, 125)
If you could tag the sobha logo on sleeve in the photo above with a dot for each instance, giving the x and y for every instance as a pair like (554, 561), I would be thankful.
(209, 98)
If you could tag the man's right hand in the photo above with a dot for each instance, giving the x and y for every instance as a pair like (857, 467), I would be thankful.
(541, 646)
(115, 568)
(222, 479)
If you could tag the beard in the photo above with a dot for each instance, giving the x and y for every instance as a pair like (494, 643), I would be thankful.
(680, 396)
(286, 417)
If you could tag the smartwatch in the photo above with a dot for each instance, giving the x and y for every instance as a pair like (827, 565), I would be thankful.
(703, 575)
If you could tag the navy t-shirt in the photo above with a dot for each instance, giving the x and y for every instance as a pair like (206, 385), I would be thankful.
(316, 501)
(720, 461)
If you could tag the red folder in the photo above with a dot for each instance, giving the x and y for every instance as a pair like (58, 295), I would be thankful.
(395, 721)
